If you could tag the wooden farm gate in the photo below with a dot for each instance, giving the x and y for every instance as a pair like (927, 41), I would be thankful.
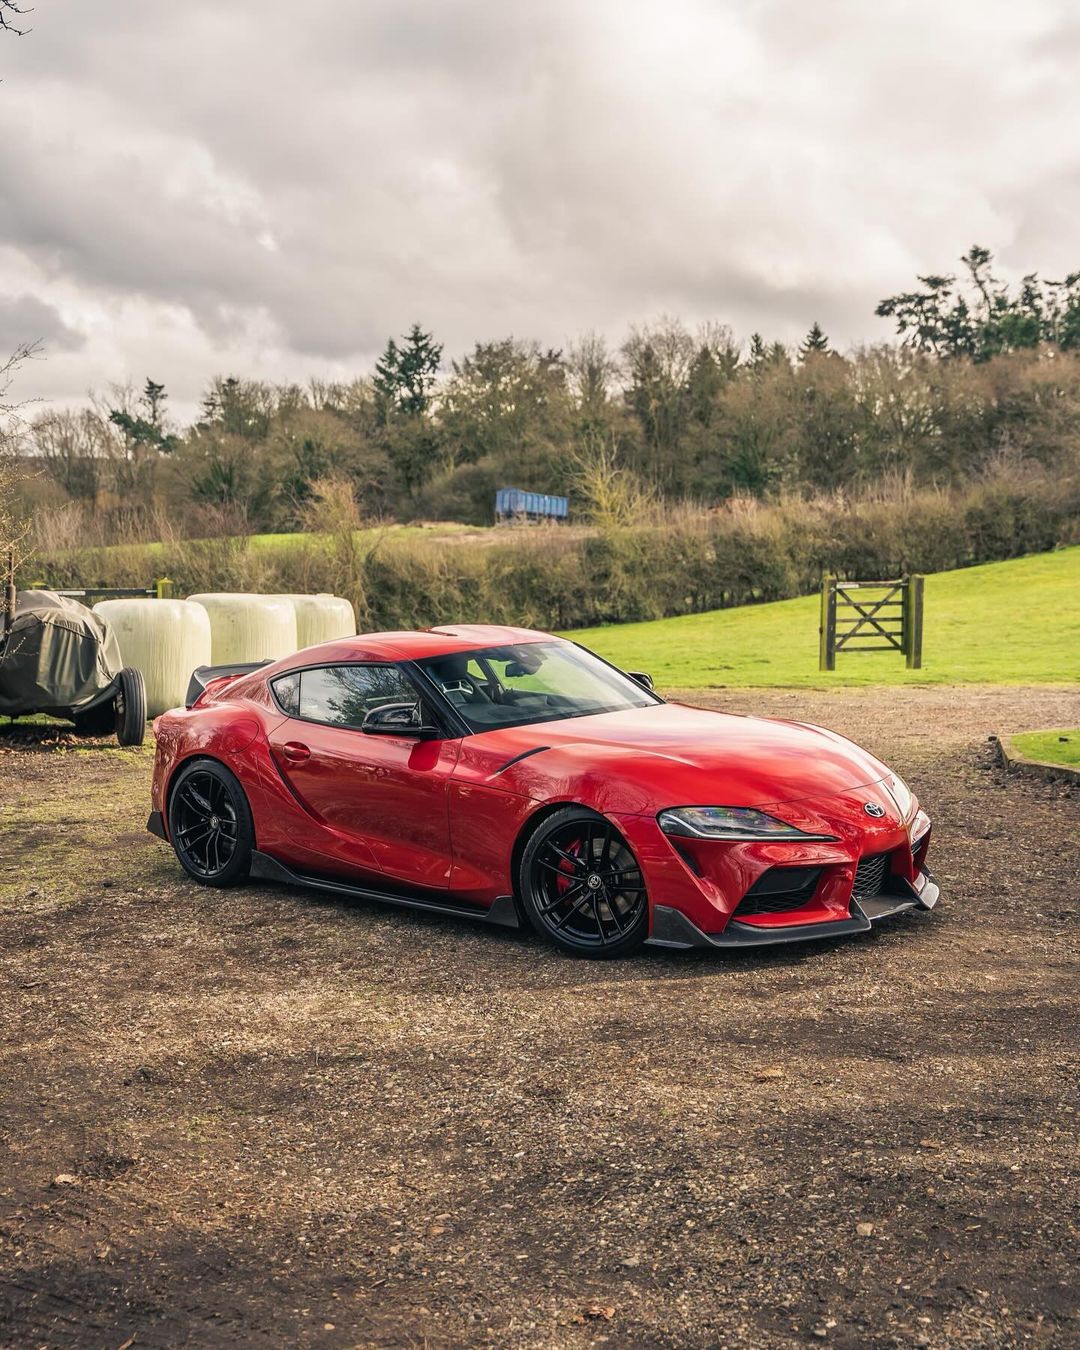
(871, 616)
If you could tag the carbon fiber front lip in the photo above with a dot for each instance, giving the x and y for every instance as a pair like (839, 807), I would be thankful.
(673, 930)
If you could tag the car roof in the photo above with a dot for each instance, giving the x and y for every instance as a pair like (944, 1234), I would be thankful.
(417, 645)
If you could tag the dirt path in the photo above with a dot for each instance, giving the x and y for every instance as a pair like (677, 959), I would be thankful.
(263, 1118)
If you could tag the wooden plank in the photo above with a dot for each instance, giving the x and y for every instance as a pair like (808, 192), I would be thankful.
(914, 650)
(827, 630)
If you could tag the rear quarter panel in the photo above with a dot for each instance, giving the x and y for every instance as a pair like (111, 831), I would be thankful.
(221, 731)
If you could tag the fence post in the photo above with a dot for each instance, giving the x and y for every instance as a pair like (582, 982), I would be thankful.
(164, 588)
(827, 646)
(913, 612)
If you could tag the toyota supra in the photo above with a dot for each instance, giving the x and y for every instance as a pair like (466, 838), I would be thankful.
(516, 778)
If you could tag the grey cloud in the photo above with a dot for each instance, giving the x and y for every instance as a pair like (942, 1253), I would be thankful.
(273, 188)
(25, 319)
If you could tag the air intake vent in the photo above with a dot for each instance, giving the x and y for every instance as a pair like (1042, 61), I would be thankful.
(779, 890)
(870, 876)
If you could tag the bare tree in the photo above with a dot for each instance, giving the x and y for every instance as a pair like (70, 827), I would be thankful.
(11, 16)
(10, 413)
(13, 528)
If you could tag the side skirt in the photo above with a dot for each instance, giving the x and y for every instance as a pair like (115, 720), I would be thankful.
(502, 913)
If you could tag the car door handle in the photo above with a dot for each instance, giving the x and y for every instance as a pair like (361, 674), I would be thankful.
(295, 752)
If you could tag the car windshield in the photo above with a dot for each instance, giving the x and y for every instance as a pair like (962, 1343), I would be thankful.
(527, 682)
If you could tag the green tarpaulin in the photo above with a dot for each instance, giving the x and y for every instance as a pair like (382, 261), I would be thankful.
(58, 656)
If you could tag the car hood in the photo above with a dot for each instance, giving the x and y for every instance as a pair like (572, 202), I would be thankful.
(671, 754)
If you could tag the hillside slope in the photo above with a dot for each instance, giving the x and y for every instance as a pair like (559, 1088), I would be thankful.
(1015, 622)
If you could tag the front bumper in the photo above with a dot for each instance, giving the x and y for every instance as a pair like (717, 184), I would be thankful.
(673, 929)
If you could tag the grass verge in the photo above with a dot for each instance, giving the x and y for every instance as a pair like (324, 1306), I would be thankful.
(1051, 747)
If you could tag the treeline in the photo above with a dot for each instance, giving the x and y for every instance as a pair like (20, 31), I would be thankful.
(979, 373)
(560, 579)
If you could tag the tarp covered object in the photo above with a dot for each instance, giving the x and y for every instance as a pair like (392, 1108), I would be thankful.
(58, 656)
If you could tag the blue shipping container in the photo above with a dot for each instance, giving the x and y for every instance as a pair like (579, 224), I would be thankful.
(532, 505)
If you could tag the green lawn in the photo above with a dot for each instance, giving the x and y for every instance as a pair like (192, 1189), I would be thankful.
(1015, 622)
(1052, 747)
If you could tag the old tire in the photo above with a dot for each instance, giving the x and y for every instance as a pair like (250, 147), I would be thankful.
(130, 707)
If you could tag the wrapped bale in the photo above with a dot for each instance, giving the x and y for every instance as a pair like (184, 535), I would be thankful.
(165, 639)
(248, 627)
(322, 618)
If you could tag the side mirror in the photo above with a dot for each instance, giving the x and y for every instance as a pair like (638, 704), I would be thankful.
(639, 677)
(398, 719)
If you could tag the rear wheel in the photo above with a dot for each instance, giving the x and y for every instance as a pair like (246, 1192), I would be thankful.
(210, 824)
(581, 885)
(129, 707)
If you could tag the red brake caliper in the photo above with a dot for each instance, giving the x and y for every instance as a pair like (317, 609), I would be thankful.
(566, 870)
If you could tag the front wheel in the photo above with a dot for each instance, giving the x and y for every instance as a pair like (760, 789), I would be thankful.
(129, 707)
(581, 885)
(210, 824)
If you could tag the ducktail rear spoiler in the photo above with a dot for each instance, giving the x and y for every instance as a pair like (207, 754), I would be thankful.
(201, 676)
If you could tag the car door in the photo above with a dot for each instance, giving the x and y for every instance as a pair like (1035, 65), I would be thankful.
(382, 797)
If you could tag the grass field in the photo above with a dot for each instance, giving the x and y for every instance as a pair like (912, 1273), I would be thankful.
(275, 543)
(1015, 622)
(1051, 747)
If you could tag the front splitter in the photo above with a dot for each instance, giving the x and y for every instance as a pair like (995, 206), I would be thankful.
(672, 929)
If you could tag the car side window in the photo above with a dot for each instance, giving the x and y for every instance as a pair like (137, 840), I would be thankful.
(344, 695)
(287, 692)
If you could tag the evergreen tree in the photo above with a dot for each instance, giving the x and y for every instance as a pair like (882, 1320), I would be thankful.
(778, 355)
(405, 376)
(814, 342)
(385, 379)
(988, 320)
(240, 407)
(145, 428)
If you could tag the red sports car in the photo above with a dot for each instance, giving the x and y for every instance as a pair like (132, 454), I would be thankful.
(513, 777)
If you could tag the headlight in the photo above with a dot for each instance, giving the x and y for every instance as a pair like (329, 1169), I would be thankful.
(728, 822)
(901, 795)
(919, 826)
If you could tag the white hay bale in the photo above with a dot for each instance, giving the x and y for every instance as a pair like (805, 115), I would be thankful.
(322, 618)
(165, 639)
(249, 627)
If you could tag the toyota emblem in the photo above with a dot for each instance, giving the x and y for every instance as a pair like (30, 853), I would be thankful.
(873, 809)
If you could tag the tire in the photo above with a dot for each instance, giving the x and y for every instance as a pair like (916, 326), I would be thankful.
(599, 918)
(210, 824)
(130, 707)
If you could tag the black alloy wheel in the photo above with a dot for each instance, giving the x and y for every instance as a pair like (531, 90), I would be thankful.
(582, 887)
(210, 824)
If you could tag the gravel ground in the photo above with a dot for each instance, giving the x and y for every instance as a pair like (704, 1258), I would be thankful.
(265, 1118)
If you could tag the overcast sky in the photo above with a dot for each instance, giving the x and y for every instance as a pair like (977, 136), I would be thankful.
(271, 189)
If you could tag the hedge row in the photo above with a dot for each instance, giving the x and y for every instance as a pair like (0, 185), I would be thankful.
(549, 578)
